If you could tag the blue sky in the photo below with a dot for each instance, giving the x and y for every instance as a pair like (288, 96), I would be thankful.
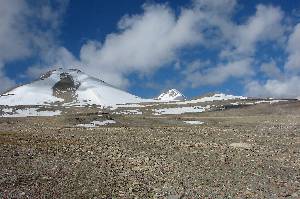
(238, 47)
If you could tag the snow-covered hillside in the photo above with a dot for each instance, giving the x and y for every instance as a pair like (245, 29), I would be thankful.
(73, 87)
(67, 87)
(214, 97)
(171, 95)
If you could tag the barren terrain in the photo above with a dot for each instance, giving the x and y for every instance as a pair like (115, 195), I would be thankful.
(242, 152)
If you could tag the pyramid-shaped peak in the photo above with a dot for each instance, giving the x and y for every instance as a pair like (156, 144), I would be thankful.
(171, 95)
(67, 86)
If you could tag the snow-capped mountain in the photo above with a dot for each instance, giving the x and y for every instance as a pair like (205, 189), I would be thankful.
(69, 86)
(171, 95)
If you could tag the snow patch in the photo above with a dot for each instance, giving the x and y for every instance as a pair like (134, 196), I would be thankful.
(179, 110)
(193, 122)
(270, 101)
(129, 112)
(28, 112)
(215, 97)
(116, 106)
(94, 124)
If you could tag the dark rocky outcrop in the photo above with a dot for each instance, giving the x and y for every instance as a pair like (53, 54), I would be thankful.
(66, 88)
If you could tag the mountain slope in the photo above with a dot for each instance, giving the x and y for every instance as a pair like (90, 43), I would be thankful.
(67, 87)
(212, 97)
(171, 95)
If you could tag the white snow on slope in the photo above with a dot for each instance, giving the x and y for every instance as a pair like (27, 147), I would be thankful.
(179, 110)
(171, 95)
(270, 101)
(28, 112)
(36, 93)
(90, 91)
(116, 106)
(94, 91)
(215, 97)
(129, 112)
(94, 124)
(193, 122)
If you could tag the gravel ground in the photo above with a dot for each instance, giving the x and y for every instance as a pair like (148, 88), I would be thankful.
(240, 153)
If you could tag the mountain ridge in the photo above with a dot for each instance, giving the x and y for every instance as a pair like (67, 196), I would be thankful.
(67, 86)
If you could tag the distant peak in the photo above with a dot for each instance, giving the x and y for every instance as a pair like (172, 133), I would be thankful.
(171, 95)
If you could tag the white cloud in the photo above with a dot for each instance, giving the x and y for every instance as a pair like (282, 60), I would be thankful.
(271, 70)
(144, 43)
(219, 74)
(293, 48)
(13, 40)
(265, 25)
(149, 41)
(222, 8)
(287, 88)
(237, 42)
(5, 81)
(281, 84)
(52, 59)
(152, 39)
(20, 33)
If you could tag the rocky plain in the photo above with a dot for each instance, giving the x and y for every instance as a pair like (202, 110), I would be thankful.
(233, 152)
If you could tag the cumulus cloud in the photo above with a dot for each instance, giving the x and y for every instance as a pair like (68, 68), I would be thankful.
(54, 58)
(5, 81)
(237, 42)
(286, 88)
(21, 35)
(293, 48)
(144, 43)
(224, 8)
(265, 25)
(149, 41)
(283, 84)
(12, 43)
(271, 70)
(12, 37)
(217, 75)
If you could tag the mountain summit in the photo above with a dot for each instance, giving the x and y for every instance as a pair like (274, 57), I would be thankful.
(67, 86)
(171, 95)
